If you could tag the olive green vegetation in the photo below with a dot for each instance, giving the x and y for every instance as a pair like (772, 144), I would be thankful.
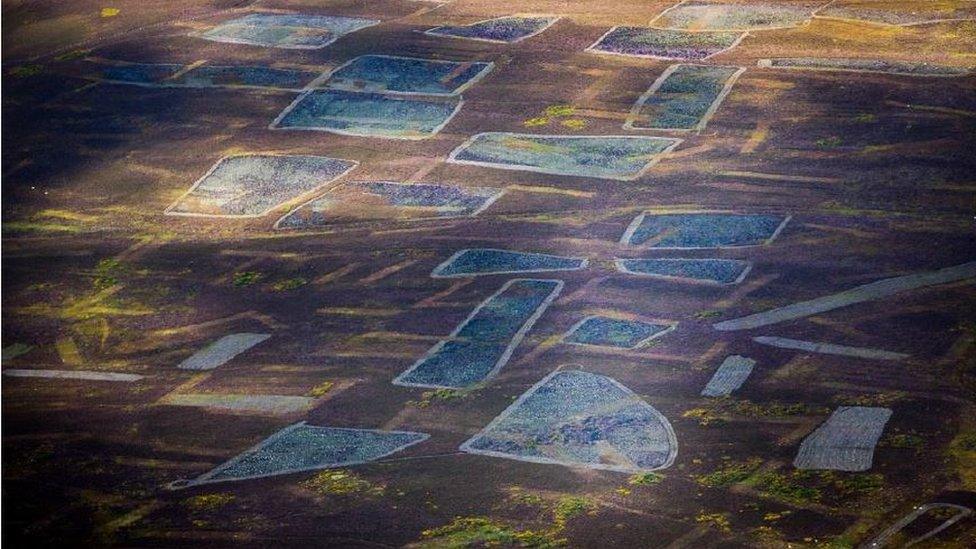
(338, 482)
(321, 389)
(828, 142)
(907, 441)
(246, 278)
(289, 284)
(715, 520)
(886, 399)
(208, 502)
(796, 487)
(962, 450)
(716, 411)
(428, 398)
(730, 473)
(484, 532)
(90, 313)
(645, 479)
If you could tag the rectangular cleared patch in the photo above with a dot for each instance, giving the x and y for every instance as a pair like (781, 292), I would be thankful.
(302, 447)
(489, 261)
(484, 342)
(379, 200)
(704, 15)
(701, 271)
(506, 30)
(623, 158)
(222, 76)
(601, 331)
(702, 230)
(260, 404)
(167, 75)
(731, 374)
(221, 351)
(139, 74)
(406, 75)
(665, 44)
(368, 114)
(290, 31)
(252, 185)
(684, 98)
(864, 65)
(86, 375)
(846, 441)
(899, 12)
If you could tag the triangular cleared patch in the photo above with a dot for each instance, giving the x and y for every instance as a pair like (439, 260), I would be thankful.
(302, 447)
(579, 419)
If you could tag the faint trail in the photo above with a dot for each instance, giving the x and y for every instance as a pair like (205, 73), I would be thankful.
(868, 292)
(829, 348)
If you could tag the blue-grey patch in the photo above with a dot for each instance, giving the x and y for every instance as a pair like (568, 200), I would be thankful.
(384, 73)
(604, 331)
(486, 261)
(684, 98)
(846, 441)
(703, 230)
(731, 374)
(139, 73)
(254, 184)
(366, 200)
(579, 419)
(213, 76)
(286, 31)
(502, 29)
(710, 271)
(702, 15)
(302, 447)
(221, 351)
(610, 157)
(665, 44)
(484, 342)
(368, 114)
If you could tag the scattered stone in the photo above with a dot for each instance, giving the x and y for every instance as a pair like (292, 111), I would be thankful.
(484, 342)
(623, 158)
(490, 261)
(302, 447)
(601, 331)
(665, 44)
(846, 441)
(289, 31)
(579, 419)
(505, 30)
(731, 374)
(684, 98)
(251, 185)
(705, 271)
